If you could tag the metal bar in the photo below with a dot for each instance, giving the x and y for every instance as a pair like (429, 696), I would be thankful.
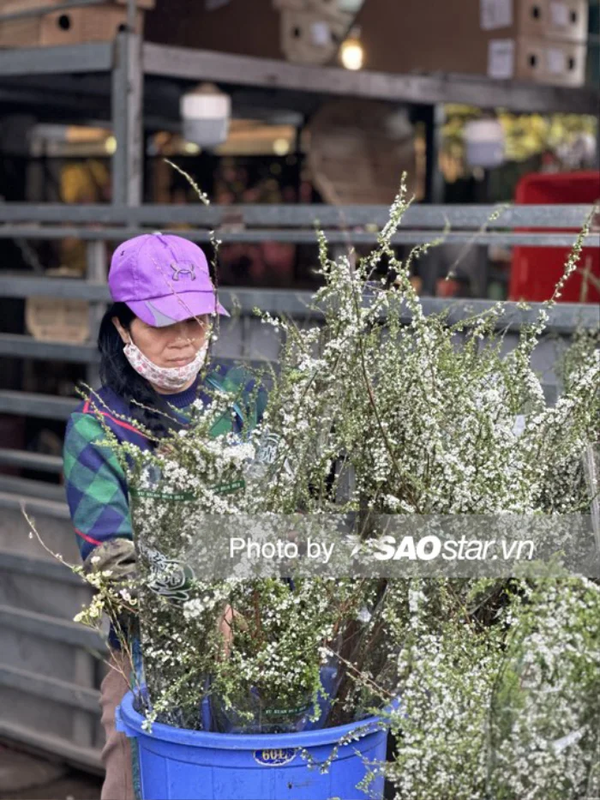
(131, 15)
(50, 689)
(96, 274)
(302, 215)
(72, 288)
(48, 508)
(47, 627)
(45, 569)
(127, 91)
(89, 57)
(88, 758)
(203, 65)
(36, 405)
(40, 10)
(19, 346)
(30, 488)
(83, 724)
(433, 116)
(307, 237)
(29, 460)
(563, 316)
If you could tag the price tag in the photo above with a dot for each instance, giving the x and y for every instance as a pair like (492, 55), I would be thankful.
(495, 14)
(501, 58)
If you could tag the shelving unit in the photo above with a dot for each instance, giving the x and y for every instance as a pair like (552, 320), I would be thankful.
(136, 86)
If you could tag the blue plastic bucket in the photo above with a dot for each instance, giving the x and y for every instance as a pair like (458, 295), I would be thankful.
(178, 764)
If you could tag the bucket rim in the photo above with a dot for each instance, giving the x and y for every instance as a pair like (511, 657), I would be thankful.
(132, 721)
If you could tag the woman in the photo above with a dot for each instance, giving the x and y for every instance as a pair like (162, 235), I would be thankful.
(153, 342)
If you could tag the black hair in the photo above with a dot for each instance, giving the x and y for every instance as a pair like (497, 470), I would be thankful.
(117, 374)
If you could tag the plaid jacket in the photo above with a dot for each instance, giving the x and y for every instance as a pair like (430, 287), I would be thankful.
(95, 483)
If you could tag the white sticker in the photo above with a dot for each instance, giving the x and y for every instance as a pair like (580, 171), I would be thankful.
(495, 14)
(559, 13)
(501, 58)
(321, 34)
(556, 60)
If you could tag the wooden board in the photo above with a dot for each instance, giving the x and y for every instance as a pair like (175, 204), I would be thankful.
(14, 6)
(75, 26)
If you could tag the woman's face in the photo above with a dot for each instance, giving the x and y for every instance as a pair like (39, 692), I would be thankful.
(172, 346)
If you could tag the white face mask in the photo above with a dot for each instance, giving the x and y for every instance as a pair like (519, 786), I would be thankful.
(171, 379)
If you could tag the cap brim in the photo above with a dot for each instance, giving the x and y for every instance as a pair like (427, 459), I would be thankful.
(162, 311)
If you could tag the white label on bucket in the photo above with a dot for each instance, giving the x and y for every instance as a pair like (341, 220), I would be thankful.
(276, 757)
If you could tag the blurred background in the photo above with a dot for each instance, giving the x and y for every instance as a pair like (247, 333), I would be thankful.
(286, 113)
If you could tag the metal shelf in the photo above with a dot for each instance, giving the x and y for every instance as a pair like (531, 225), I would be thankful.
(28, 459)
(68, 694)
(198, 65)
(335, 237)
(28, 488)
(20, 346)
(563, 317)
(46, 568)
(68, 59)
(49, 627)
(34, 505)
(36, 405)
(472, 217)
(187, 64)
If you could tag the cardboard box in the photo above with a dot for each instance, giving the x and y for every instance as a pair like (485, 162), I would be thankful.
(565, 20)
(307, 37)
(77, 25)
(553, 62)
(482, 37)
(14, 6)
(324, 9)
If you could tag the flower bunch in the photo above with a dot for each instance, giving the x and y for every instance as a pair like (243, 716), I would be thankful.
(378, 408)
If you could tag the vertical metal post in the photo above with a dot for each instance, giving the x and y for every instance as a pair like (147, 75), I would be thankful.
(96, 273)
(127, 107)
(84, 723)
(433, 117)
(131, 16)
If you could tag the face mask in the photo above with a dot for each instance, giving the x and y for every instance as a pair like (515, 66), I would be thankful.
(172, 379)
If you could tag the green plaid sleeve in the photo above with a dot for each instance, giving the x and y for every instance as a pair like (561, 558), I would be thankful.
(95, 485)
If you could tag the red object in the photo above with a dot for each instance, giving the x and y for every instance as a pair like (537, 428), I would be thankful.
(536, 270)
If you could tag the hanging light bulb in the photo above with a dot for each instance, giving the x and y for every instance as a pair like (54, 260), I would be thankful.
(352, 53)
(205, 112)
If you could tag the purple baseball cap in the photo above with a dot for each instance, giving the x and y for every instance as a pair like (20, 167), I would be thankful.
(163, 279)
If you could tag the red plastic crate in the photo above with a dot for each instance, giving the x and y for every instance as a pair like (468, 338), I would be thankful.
(536, 270)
